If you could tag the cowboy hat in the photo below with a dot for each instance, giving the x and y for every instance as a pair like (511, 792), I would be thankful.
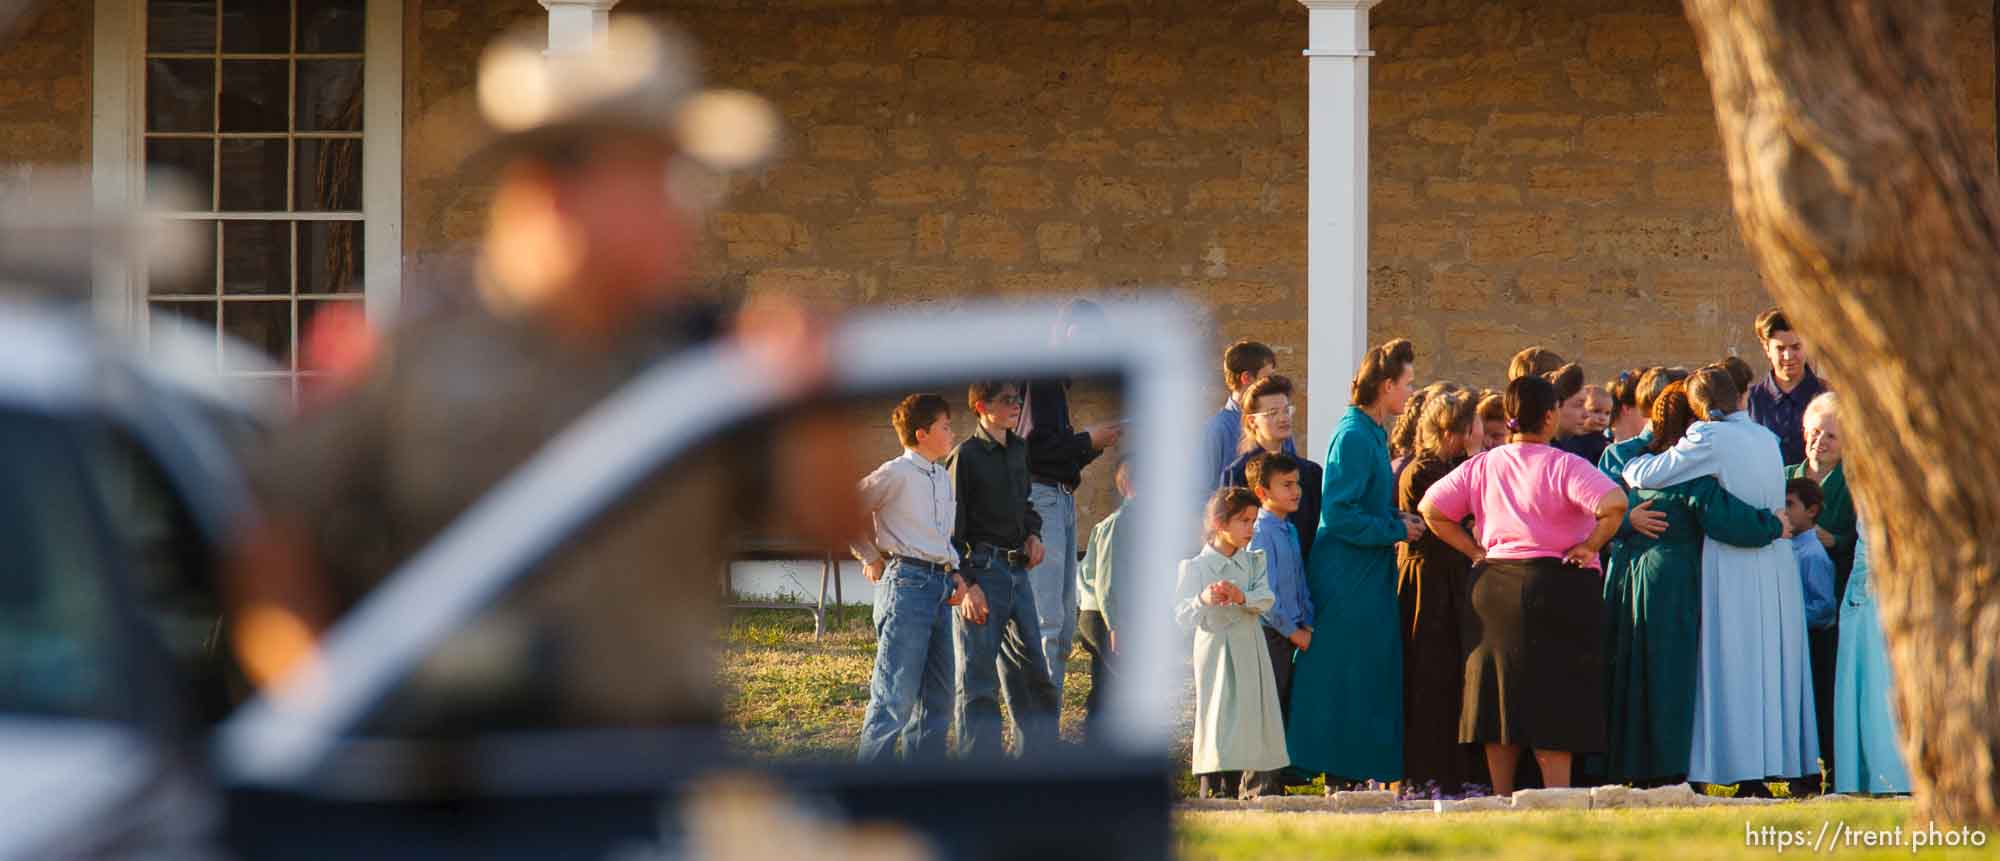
(640, 77)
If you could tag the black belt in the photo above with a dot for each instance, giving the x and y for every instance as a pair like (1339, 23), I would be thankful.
(914, 562)
(1016, 558)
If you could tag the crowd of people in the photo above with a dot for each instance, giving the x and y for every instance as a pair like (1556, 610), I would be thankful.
(1653, 581)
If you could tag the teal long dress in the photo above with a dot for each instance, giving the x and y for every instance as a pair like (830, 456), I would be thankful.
(1596, 766)
(1653, 625)
(1612, 463)
(1347, 690)
(1866, 758)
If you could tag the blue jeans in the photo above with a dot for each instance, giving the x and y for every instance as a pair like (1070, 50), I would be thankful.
(1003, 653)
(1054, 580)
(910, 693)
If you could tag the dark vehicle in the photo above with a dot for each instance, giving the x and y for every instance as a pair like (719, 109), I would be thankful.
(120, 488)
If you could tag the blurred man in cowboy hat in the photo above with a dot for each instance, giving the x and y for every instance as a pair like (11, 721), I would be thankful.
(605, 161)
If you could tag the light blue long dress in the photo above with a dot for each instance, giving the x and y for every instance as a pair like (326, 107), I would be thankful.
(1865, 755)
(1753, 698)
(1238, 725)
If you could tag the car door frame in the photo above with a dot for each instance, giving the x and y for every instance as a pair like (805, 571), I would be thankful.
(290, 738)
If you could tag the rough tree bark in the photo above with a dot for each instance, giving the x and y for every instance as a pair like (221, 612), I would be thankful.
(1859, 189)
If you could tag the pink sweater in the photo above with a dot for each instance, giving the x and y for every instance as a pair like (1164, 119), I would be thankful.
(1528, 500)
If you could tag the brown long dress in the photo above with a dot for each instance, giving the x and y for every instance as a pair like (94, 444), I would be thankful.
(1434, 588)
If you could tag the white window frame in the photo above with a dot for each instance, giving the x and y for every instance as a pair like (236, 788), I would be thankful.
(117, 151)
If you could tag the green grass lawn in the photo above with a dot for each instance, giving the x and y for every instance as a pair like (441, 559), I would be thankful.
(791, 697)
(1680, 834)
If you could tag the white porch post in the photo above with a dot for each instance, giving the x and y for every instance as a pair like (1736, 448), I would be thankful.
(1336, 209)
(576, 26)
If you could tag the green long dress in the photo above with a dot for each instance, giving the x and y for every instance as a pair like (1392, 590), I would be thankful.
(1654, 629)
(1347, 690)
(1617, 581)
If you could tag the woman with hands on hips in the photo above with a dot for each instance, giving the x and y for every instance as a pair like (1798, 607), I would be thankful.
(1535, 678)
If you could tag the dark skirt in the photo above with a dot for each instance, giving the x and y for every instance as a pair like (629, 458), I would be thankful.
(1439, 631)
(1537, 676)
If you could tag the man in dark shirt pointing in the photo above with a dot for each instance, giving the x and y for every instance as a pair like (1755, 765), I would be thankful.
(1057, 454)
(998, 535)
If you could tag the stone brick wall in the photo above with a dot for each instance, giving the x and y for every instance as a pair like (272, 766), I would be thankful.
(945, 150)
(44, 88)
(1543, 170)
(1548, 172)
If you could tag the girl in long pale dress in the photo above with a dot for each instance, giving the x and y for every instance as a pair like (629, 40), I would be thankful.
(1239, 731)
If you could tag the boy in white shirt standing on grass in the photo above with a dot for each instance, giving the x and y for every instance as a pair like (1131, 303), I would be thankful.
(909, 555)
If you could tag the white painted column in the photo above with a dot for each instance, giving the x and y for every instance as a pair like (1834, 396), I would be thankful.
(382, 163)
(117, 153)
(1336, 209)
(576, 26)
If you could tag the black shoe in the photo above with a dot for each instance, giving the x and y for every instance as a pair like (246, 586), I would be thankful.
(1753, 789)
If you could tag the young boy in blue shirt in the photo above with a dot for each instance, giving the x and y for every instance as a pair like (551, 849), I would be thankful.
(1274, 478)
(1803, 499)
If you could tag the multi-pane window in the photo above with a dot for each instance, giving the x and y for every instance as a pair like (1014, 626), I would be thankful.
(258, 104)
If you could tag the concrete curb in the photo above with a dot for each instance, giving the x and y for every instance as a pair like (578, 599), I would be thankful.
(1594, 798)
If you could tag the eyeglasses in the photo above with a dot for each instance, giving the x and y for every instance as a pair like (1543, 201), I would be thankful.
(1288, 411)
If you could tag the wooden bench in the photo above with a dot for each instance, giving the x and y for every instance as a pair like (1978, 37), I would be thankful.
(770, 548)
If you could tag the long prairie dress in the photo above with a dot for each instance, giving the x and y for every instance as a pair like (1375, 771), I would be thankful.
(1347, 690)
(1866, 758)
(1654, 624)
(1440, 629)
(1237, 722)
(1753, 692)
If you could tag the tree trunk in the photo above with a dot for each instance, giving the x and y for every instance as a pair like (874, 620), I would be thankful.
(1858, 189)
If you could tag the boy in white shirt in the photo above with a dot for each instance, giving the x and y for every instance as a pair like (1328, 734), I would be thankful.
(910, 556)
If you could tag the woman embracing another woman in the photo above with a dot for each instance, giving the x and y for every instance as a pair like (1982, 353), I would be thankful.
(1655, 615)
